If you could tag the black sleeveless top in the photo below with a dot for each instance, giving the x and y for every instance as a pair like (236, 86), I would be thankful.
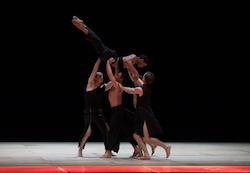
(93, 98)
(144, 102)
(144, 112)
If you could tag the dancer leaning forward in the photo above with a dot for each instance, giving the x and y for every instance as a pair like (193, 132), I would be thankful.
(146, 125)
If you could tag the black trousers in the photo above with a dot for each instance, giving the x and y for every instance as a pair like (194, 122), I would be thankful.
(97, 117)
(102, 51)
(121, 123)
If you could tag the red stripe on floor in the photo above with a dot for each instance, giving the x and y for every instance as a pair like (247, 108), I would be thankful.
(72, 169)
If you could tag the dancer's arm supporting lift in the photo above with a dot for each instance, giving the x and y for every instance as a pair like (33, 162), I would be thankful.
(110, 73)
(136, 90)
(91, 81)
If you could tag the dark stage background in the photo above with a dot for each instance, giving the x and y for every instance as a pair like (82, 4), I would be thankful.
(198, 50)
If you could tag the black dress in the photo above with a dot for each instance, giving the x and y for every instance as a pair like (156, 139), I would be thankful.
(93, 113)
(144, 112)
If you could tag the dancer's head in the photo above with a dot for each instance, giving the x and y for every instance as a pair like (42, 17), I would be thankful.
(99, 78)
(143, 61)
(121, 76)
(148, 77)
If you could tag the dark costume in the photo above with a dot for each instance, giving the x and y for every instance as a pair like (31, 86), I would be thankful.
(120, 124)
(103, 51)
(93, 112)
(144, 112)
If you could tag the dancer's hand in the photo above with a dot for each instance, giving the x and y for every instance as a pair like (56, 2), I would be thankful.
(111, 60)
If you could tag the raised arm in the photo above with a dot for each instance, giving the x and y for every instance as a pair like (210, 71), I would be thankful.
(133, 73)
(94, 71)
(108, 86)
(110, 73)
(91, 80)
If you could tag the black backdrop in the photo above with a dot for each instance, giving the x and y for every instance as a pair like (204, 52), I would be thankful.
(198, 51)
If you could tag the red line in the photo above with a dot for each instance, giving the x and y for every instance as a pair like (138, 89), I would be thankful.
(72, 169)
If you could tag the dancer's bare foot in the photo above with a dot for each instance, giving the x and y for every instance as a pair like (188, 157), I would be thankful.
(153, 148)
(144, 158)
(107, 154)
(168, 150)
(80, 153)
(79, 24)
(137, 152)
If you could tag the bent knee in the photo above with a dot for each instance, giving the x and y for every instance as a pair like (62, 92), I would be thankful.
(146, 139)
(135, 135)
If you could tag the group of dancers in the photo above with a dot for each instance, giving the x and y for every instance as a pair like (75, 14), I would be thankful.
(138, 128)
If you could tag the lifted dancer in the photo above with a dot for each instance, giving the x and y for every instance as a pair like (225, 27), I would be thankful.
(146, 125)
(105, 53)
(93, 112)
(118, 113)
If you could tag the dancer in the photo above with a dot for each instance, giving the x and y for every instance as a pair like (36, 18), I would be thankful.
(146, 125)
(105, 53)
(118, 113)
(93, 112)
(139, 83)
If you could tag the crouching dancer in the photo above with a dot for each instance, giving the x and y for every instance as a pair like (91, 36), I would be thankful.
(93, 112)
(146, 125)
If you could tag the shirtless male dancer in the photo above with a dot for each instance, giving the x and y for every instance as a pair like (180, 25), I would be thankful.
(93, 112)
(118, 113)
(105, 53)
(146, 125)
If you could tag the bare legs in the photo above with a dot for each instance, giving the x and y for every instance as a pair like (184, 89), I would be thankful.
(83, 141)
(137, 152)
(142, 146)
(108, 153)
(154, 141)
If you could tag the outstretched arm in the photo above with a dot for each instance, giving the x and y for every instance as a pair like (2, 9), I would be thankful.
(136, 90)
(110, 73)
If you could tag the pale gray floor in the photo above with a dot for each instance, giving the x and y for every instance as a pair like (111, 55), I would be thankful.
(65, 154)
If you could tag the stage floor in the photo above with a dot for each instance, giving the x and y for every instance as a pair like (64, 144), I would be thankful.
(49, 154)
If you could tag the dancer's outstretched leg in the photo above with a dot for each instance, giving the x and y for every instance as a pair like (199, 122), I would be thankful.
(153, 148)
(102, 51)
(154, 141)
